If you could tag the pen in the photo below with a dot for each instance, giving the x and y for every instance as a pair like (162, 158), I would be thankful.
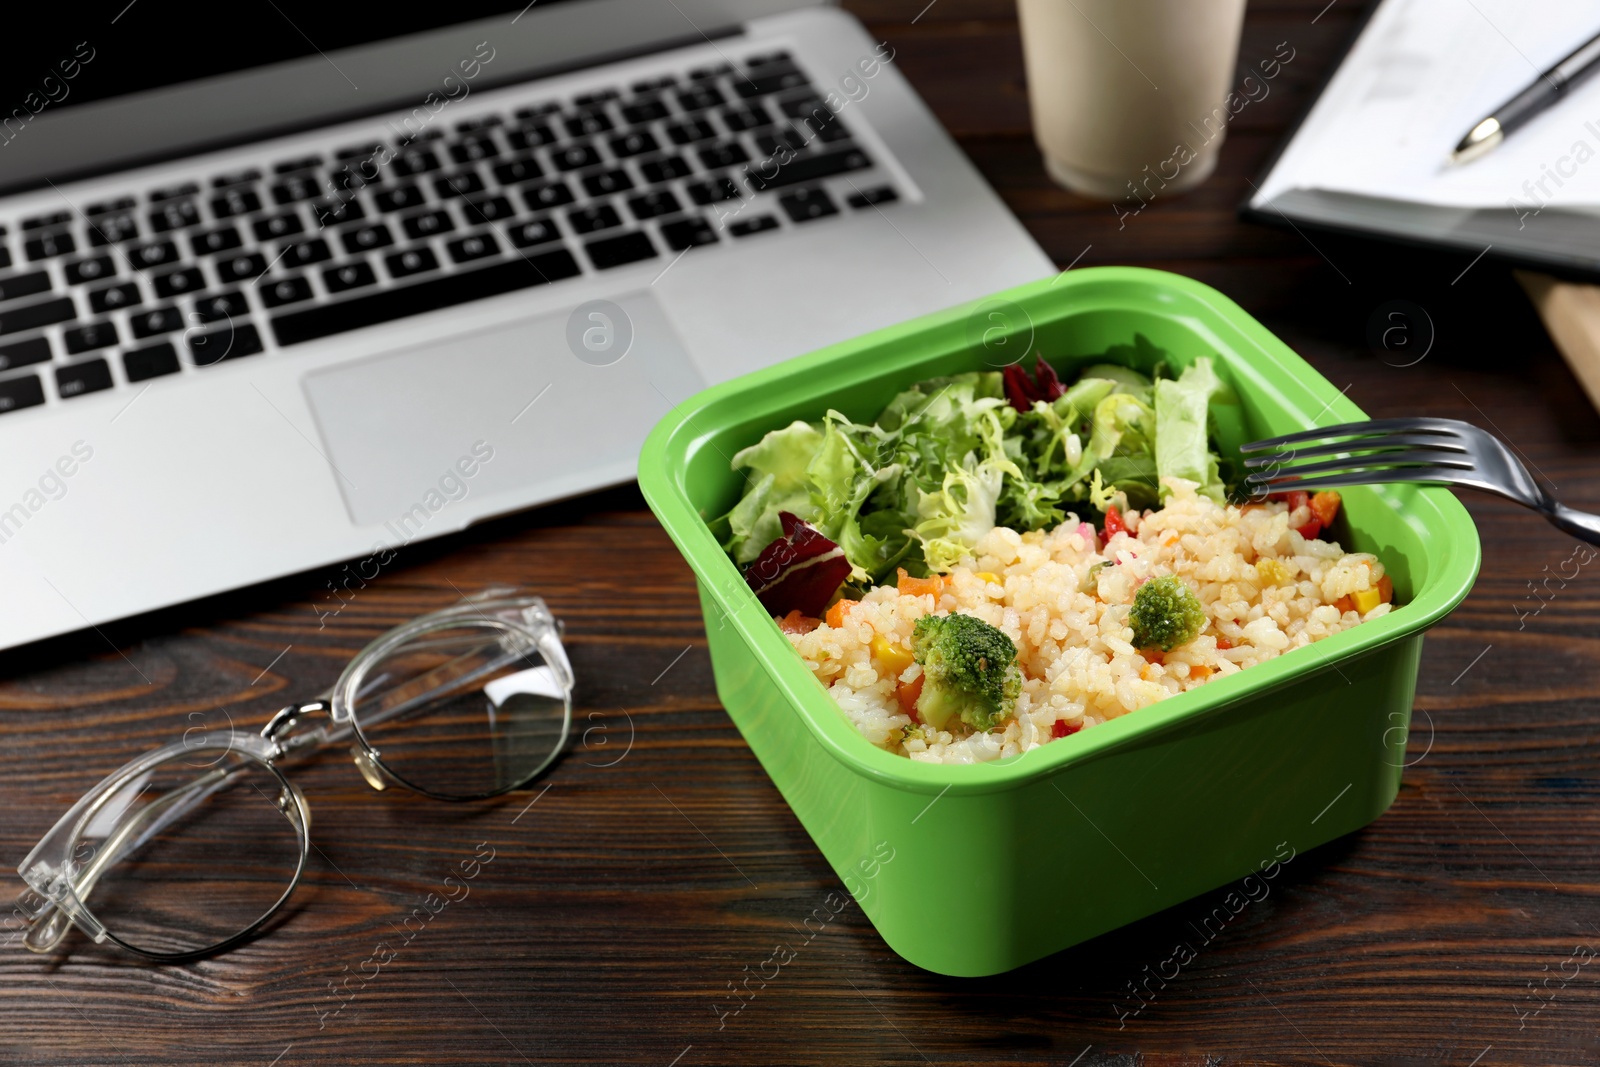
(1546, 89)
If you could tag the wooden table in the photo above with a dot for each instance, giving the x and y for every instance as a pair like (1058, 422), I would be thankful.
(661, 862)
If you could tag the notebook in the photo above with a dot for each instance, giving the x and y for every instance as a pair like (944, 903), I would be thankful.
(1370, 156)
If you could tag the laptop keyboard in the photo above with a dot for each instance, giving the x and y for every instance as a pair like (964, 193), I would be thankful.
(162, 281)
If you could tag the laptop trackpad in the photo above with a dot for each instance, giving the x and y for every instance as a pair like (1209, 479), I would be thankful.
(561, 402)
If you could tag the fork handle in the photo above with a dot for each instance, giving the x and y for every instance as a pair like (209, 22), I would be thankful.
(1580, 524)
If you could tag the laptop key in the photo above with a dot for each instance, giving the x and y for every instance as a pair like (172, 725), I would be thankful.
(289, 166)
(278, 226)
(473, 149)
(32, 316)
(804, 107)
(22, 353)
(882, 194)
(806, 168)
(599, 96)
(219, 240)
(588, 123)
(25, 392)
(644, 111)
(759, 224)
(634, 144)
(386, 305)
(754, 117)
(20, 285)
(593, 218)
(687, 233)
(114, 298)
(365, 238)
(90, 337)
(156, 321)
(537, 232)
(399, 199)
(304, 253)
(481, 209)
(474, 246)
(300, 187)
(90, 376)
(142, 364)
(715, 157)
(403, 265)
(222, 181)
(154, 254)
(699, 98)
(806, 204)
(336, 210)
(5, 257)
(713, 191)
(178, 282)
(574, 157)
(176, 215)
(617, 251)
(690, 131)
(241, 268)
(39, 222)
(350, 276)
(607, 182)
(218, 307)
(50, 245)
(774, 78)
(230, 342)
(107, 207)
(112, 230)
(88, 270)
(532, 135)
(648, 206)
(768, 144)
(550, 194)
(285, 291)
(427, 224)
(461, 183)
(647, 85)
(664, 169)
(516, 171)
(419, 161)
(235, 202)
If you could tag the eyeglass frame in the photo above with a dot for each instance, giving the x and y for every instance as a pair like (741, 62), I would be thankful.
(51, 904)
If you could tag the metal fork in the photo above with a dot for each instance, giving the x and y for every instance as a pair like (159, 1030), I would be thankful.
(1423, 450)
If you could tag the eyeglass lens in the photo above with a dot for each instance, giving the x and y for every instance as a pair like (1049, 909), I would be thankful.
(191, 853)
(462, 713)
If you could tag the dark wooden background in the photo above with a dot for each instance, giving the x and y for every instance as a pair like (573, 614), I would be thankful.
(615, 915)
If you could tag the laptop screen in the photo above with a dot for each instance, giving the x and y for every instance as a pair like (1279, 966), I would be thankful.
(68, 57)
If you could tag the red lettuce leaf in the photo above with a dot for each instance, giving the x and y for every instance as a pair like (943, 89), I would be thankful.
(799, 571)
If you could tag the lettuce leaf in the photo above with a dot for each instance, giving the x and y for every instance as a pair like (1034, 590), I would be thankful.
(1183, 428)
(776, 481)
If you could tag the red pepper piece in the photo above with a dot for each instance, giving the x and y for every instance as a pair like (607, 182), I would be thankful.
(799, 571)
(1063, 728)
(1114, 523)
(1309, 530)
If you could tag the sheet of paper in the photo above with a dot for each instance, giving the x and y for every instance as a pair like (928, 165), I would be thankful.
(1423, 73)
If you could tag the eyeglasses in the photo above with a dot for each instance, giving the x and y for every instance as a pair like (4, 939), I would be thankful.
(192, 848)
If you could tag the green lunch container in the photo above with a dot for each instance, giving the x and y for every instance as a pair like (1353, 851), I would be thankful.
(976, 869)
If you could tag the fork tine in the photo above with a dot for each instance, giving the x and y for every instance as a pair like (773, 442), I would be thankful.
(1415, 475)
(1369, 428)
(1434, 442)
(1372, 464)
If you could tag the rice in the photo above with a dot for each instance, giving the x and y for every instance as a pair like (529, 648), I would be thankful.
(1266, 591)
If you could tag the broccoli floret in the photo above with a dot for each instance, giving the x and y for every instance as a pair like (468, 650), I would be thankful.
(1165, 614)
(970, 671)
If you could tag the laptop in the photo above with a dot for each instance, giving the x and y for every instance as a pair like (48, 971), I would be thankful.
(318, 287)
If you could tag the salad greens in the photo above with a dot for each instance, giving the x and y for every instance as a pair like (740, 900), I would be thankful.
(951, 458)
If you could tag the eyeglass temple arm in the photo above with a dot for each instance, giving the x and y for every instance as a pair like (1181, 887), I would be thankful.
(46, 929)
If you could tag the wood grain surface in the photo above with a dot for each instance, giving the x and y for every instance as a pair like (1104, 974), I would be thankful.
(660, 863)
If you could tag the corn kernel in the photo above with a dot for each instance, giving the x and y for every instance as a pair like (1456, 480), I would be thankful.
(1367, 599)
(894, 658)
(989, 576)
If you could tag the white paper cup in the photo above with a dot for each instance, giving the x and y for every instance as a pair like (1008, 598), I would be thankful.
(1129, 96)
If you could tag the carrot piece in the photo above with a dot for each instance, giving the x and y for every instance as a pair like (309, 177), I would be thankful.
(1199, 670)
(1223, 643)
(1385, 590)
(909, 586)
(1325, 506)
(1345, 604)
(907, 693)
(836, 614)
(1153, 655)
(797, 623)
